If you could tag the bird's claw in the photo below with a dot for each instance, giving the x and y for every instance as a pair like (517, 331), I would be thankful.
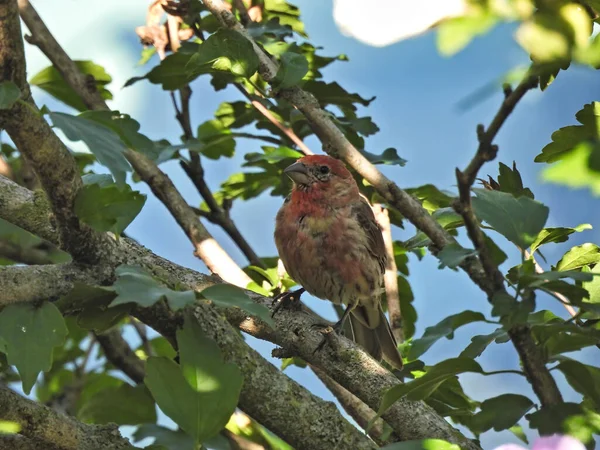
(286, 300)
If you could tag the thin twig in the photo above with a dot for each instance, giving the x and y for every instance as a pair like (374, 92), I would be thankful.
(140, 329)
(244, 16)
(538, 375)
(391, 273)
(118, 352)
(271, 118)
(195, 172)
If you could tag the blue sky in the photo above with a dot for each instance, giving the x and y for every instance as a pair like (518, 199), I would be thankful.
(417, 93)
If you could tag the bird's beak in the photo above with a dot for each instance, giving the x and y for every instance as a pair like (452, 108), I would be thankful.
(298, 173)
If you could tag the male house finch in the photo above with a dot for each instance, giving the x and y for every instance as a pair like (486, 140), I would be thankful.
(330, 243)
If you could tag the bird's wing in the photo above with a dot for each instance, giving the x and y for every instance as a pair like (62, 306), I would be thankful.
(367, 221)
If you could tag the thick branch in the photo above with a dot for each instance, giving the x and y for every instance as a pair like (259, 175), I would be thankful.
(360, 412)
(341, 359)
(55, 430)
(41, 148)
(539, 376)
(205, 246)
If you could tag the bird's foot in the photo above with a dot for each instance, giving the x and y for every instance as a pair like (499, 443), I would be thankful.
(287, 300)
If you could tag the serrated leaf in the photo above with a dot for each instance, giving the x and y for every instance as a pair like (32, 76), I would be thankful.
(104, 143)
(579, 256)
(29, 335)
(216, 140)
(445, 328)
(224, 51)
(202, 393)
(453, 255)
(9, 94)
(135, 285)
(226, 295)
(556, 235)
(456, 33)
(575, 169)
(50, 80)
(423, 386)
(292, 68)
(500, 413)
(567, 138)
(519, 220)
(109, 208)
(123, 405)
(509, 181)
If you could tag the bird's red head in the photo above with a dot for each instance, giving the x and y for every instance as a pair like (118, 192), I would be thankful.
(321, 178)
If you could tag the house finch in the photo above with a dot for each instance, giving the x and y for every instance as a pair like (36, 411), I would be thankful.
(330, 243)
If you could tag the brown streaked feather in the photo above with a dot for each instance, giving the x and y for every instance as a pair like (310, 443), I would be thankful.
(367, 221)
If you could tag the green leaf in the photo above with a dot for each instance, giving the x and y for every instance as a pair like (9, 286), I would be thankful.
(556, 235)
(445, 328)
(45, 252)
(126, 128)
(224, 51)
(124, 405)
(584, 378)
(292, 68)
(431, 197)
(29, 335)
(553, 419)
(389, 157)
(480, 342)
(226, 295)
(424, 386)
(201, 395)
(9, 94)
(574, 169)
(169, 439)
(509, 181)
(104, 143)
(452, 255)
(51, 81)
(135, 285)
(552, 33)
(582, 255)
(425, 444)
(108, 208)
(500, 413)
(456, 33)
(216, 140)
(519, 220)
(566, 139)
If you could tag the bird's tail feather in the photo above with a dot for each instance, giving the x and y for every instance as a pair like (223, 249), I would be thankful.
(379, 341)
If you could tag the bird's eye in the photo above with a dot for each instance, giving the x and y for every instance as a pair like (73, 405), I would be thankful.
(324, 170)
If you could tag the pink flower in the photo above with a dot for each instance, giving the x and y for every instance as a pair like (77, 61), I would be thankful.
(554, 442)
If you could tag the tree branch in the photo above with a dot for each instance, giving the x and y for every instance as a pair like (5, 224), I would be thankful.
(268, 395)
(118, 352)
(341, 359)
(206, 248)
(537, 373)
(24, 255)
(54, 430)
(360, 412)
(391, 273)
(40, 147)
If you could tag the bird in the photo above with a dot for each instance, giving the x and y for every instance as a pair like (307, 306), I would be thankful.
(330, 243)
